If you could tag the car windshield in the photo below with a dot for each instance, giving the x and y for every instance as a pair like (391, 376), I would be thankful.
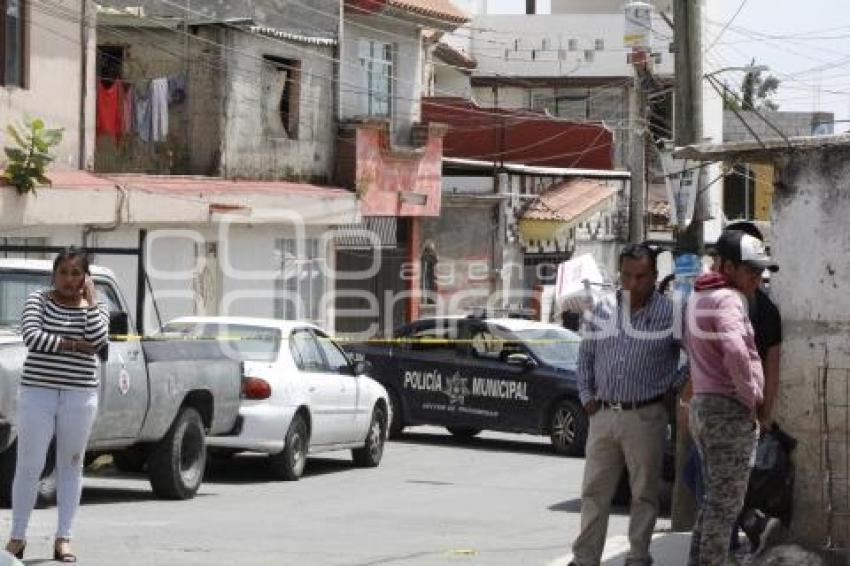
(554, 346)
(241, 341)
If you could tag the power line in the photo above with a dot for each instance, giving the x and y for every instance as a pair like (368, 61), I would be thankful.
(729, 23)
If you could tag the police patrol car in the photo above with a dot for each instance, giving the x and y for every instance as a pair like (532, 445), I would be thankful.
(476, 373)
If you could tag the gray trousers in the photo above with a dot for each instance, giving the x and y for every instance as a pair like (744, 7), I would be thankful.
(725, 433)
(618, 439)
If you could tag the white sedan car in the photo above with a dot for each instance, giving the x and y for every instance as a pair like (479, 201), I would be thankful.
(300, 393)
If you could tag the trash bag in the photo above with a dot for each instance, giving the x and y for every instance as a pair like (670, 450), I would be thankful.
(771, 484)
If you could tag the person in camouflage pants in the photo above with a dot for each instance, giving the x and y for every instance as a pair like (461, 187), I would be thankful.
(728, 384)
(726, 435)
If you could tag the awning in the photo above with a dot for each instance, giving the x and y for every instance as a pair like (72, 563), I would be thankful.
(372, 232)
(555, 212)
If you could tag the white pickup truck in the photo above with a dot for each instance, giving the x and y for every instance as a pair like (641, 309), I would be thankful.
(159, 399)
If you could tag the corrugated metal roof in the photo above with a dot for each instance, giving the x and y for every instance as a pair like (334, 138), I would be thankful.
(309, 39)
(437, 9)
(568, 201)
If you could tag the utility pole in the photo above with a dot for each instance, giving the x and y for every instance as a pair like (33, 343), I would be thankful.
(687, 17)
(637, 194)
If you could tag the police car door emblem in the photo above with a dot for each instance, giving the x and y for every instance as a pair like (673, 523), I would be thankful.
(456, 389)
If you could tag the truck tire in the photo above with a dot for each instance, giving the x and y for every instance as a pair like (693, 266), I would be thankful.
(46, 485)
(568, 426)
(131, 460)
(464, 432)
(290, 462)
(370, 454)
(176, 463)
(396, 428)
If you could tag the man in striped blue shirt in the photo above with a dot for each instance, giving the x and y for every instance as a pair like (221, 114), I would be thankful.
(627, 367)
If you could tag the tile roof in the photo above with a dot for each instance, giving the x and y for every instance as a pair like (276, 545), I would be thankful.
(442, 10)
(568, 201)
(455, 57)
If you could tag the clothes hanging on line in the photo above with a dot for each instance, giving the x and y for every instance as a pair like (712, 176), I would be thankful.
(177, 88)
(142, 108)
(137, 107)
(109, 119)
(159, 109)
(128, 108)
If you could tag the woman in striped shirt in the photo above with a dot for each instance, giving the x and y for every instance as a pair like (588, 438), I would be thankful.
(63, 328)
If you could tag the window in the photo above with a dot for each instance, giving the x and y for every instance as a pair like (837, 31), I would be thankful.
(14, 42)
(571, 103)
(436, 337)
(281, 96)
(240, 341)
(302, 282)
(23, 242)
(305, 351)
(337, 361)
(110, 62)
(739, 194)
(377, 60)
(14, 290)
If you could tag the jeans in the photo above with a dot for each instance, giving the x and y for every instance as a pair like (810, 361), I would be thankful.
(42, 413)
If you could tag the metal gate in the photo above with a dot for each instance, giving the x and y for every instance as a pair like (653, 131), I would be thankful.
(387, 287)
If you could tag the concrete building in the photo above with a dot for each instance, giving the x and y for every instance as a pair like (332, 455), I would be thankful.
(209, 246)
(572, 63)
(47, 72)
(258, 100)
(810, 240)
(387, 154)
(748, 189)
(534, 218)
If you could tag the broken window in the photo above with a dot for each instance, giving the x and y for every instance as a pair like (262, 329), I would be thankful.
(13, 42)
(281, 95)
(376, 58)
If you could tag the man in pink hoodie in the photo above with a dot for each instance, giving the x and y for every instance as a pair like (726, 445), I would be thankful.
(728, 385)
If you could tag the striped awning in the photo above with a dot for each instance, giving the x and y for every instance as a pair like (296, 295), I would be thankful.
(373, 232)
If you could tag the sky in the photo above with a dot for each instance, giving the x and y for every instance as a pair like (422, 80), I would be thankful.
(807, 48)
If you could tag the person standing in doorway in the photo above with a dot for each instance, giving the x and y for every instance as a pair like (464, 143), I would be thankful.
(63, 329)
(728, 384)
(626, 370)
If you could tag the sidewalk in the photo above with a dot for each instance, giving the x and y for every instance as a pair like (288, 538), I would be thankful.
(668, 549)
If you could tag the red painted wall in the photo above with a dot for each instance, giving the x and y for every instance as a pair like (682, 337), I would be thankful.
(519, 136)
(381, 174)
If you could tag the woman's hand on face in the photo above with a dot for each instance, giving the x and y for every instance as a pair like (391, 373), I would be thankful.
(88, 291)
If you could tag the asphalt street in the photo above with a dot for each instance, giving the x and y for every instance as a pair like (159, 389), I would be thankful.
(496, 500)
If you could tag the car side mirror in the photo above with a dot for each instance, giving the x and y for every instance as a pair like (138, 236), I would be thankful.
(362, 367)
(521, 360)
(119, 324)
